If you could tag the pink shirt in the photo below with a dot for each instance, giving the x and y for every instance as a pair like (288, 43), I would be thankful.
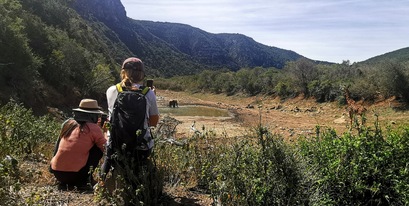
(73, 150)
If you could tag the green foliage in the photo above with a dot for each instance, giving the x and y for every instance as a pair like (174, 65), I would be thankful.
(22, 133)
(9, 181)
(269, 172)
(101, 78)
(322, 91)
(262, 169)
(132, 185)
(189, 161)
(283, 90)
(321, 81)
(52, 52)
(303, 72)
(250, 170)
(18, 64)
(400, 55)
(395, 80)
(365, 169)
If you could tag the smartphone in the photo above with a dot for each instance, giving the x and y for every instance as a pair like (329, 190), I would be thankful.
(149, 83)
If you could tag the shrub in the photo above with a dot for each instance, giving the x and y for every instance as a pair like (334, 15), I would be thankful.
(322, 91)
(264, 171)
(22, 132)
(366, 169)
(187, 161)
(9, 181)
(132, 184)
(283, 90)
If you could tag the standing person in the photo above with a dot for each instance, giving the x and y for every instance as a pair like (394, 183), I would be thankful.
(132, 75)
(79, 147)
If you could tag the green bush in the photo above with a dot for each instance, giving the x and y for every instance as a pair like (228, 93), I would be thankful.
(366, 169)
(322, 91)
(22, 132)
(264, 171)
(283, 90)
(132, 184)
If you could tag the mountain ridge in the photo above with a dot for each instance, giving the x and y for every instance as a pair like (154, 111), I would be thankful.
(191, 48)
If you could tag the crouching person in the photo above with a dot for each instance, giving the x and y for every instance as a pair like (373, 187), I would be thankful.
(79, 147)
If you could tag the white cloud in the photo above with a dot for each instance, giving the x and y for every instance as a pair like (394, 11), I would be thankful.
(330, 30)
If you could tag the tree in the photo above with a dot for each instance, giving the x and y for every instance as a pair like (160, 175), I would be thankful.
(303, 72)
(18, 64)
(394, 81)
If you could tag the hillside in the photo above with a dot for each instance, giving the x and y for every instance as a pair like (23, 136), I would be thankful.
(54, 53)
(189, 49)
(400, 55)
(232, 51)
(64, 51)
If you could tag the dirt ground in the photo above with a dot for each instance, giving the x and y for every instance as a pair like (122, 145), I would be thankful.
(289, 118)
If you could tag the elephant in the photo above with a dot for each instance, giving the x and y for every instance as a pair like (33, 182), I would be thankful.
(173, 103)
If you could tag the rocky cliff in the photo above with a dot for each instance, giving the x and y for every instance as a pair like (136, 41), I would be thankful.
(111, 12)
(178, 49)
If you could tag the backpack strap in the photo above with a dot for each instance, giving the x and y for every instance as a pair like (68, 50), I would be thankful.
(119, 87)
(144, 90)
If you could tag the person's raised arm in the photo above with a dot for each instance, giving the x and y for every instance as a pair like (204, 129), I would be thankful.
(153, 120)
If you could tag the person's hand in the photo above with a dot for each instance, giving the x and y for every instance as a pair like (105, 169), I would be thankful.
(106, 126)
(99, 122)
(153, 89)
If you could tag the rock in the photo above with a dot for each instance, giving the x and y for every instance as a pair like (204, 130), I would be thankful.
(340, 120)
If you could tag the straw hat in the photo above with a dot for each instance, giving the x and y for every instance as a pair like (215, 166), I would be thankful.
(89, 106)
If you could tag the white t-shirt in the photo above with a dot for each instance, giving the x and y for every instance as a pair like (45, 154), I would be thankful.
(151, 107)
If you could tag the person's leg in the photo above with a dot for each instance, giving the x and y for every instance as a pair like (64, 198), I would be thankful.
(67, 180)
(95, 155)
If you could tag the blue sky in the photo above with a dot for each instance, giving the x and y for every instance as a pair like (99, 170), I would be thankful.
(328, 30)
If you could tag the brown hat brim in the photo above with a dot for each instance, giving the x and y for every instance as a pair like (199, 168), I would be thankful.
(89, 111)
